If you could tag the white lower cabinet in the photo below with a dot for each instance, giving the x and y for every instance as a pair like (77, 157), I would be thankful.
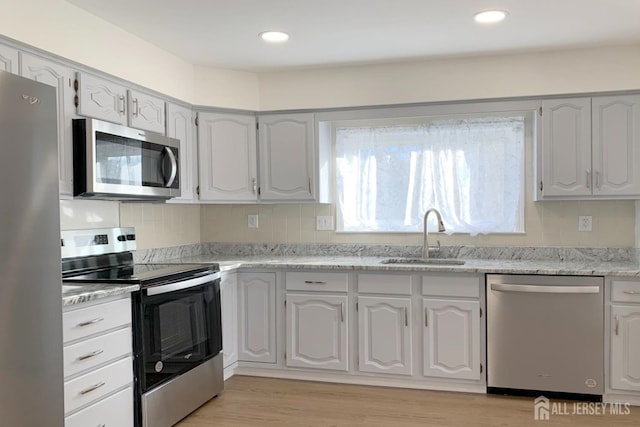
(115, 411)
(317, 331)
(451, 339)
(625, 337)
(229, 299)
(384, 327)
(625, 347)
(257, 317)
(98, 363)
(452, 326)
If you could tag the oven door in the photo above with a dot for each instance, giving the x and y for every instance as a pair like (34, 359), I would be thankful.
(180, 327)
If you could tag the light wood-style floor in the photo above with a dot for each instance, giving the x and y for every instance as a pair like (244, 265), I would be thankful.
(251, 401)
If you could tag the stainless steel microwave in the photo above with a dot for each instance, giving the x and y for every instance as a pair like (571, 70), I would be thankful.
(116, 162)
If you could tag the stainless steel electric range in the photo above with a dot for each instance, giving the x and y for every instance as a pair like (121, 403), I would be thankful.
(177, 334)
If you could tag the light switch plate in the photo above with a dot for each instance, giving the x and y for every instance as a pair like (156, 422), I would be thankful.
(252, 221)
(324, 223)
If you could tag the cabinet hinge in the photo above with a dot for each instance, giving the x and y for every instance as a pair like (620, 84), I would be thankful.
(285, 303)
(198, 190)
(257, 126)
(541, 186)
(258, 191)
(285, 357)
(540, 110)
(75, 85)
(481, 368)
(197, 121)
(480, 311)
(356, 306)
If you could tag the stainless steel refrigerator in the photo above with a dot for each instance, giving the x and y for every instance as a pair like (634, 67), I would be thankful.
(31, 376)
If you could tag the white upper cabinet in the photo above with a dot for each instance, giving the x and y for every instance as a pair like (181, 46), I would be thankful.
(101, 99)
(566, 147)
(227, 157)
(616, 145)
(105, 100)
(590, 148)
(146, 112)
(9, 59)
(287, 157)
(181, 125)
(60, 77)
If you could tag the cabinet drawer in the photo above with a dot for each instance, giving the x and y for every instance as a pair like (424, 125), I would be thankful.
(625, 291)
(451, 286)
(392, 284)
(94, 319)
(330, 282)
(96, 351)
(116, 411)
(94, 385)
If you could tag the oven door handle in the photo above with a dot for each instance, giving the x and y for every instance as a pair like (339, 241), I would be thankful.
(183, 284)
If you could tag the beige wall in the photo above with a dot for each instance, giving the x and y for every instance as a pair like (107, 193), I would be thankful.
(226, 88)
(547, 224)
(162, 225)
(478, 77)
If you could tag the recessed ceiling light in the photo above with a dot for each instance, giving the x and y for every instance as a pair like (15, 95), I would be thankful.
(274, 36)
(490, 16)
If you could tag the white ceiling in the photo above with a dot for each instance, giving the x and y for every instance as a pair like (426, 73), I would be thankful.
(224, 33)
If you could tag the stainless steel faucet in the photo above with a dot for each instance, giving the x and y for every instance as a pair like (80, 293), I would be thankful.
(425, 232)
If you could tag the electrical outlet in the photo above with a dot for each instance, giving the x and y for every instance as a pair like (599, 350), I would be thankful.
(252, 221)
(324, 223)
(584, 223)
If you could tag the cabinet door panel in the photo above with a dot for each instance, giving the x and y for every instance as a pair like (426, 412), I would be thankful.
(625, 347)
(60, 77)
(616, 145)
(317, 331)
(451, 339)
(287, 157)
(229, 299)
(385, 335)
(180, 125)
(101, 99)
(146, 112)
(227, 156)
(257, 317)
(9, 59)
(566, 147)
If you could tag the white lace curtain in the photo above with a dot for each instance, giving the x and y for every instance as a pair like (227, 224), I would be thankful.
(470, 169)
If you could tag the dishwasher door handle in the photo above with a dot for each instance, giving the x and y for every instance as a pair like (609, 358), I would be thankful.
(545, 289)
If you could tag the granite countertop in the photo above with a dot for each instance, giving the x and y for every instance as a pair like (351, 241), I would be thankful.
(479, 266)
(78, 293)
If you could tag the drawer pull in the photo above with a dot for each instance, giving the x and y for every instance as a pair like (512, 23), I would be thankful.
(92, 388)
(90, 355)
(632, 292)
(91, 322)
(314, 282)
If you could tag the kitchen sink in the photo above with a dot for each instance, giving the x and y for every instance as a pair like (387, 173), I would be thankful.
(424, 261)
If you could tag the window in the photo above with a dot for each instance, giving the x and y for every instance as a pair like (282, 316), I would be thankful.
(470, 168)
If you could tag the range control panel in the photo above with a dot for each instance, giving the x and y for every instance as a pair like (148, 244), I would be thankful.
(76, 243)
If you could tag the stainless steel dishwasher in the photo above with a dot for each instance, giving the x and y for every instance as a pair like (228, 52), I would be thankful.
(545, 334)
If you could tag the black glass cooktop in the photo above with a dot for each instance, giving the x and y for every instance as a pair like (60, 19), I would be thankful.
(143, 274)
